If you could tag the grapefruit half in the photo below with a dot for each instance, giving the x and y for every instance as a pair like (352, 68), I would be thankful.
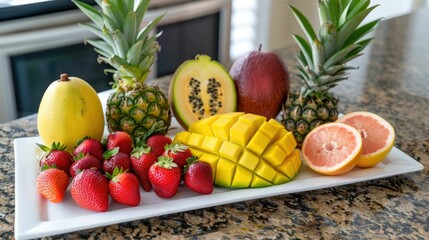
(378, 136)
(332, 148)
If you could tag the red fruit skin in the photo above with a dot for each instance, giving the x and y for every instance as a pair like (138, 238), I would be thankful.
(52, 184)
(90, 190)
(122, 140)
(179, 157)
(120, 160)
(124, 189)
(157, 143)
(262, 83)
(165, 182)
(86, 162)
(140, 167)
(90, 146)
(199, 178)
(61, 159)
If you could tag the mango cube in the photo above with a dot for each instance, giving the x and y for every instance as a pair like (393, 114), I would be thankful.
(195, 140)
(265, 170)
(230, 151)
(248, 160)
(274, 155)
(280, 179)
(258, 182)
(203, 126)
(242, 178)
(258, 143)
(212, 144)
(241, 133)
(224, 172)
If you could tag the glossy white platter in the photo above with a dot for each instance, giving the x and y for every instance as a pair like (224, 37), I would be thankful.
(36, 217)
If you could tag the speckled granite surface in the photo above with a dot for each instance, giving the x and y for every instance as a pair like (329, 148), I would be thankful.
(392, 81)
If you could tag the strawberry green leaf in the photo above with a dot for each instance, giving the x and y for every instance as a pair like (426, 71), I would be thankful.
(43, 147)
(110, 153)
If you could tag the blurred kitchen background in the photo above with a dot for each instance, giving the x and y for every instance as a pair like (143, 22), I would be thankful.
(40, 39)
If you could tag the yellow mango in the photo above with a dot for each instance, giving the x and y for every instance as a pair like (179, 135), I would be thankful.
(223, 124)
(203, 126)
(244, 150)
(242, 178)
(224, 172)
(69, 111)
(258, 182)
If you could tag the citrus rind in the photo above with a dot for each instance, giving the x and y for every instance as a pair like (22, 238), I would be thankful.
(318, 145)
(371, 159)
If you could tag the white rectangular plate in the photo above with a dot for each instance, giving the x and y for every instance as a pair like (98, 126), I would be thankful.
(36, 217)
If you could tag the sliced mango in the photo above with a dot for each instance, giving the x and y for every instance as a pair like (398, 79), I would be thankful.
(249, 160)
(200, 126)
(195, 140)
(242, 177)
(225, 171)
(265, 170)
(258, 143)
(212, 144)
(244, 150)
(258, 182)
(280, 179)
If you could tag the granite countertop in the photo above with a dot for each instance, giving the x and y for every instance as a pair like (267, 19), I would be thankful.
(392, 81)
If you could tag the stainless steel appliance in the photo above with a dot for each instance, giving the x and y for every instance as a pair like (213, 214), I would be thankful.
(35, 50)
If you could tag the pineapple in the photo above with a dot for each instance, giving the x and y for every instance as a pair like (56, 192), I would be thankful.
(322, 62)
(133, 106)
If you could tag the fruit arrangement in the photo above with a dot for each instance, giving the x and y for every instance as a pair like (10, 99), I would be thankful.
(120, 171)
(230, 136)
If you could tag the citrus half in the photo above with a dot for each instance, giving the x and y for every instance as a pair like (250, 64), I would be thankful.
(378, 136)
(332, 148)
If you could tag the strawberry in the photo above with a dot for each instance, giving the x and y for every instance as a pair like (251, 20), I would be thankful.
(84, 161)
(120, 139)
(179, 152)
(157, 143)
(90, 190)
(165, 176)
(198, 176)
(90, 146)
(141, 160)
(124, 187)
(57, 157)
(52, 184)
(114, 158)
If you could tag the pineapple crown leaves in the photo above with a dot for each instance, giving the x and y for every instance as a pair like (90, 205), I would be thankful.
(122, 44)
(322, 58)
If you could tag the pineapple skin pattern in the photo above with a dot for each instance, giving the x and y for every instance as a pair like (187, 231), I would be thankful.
(322, 62)
(130, 49)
